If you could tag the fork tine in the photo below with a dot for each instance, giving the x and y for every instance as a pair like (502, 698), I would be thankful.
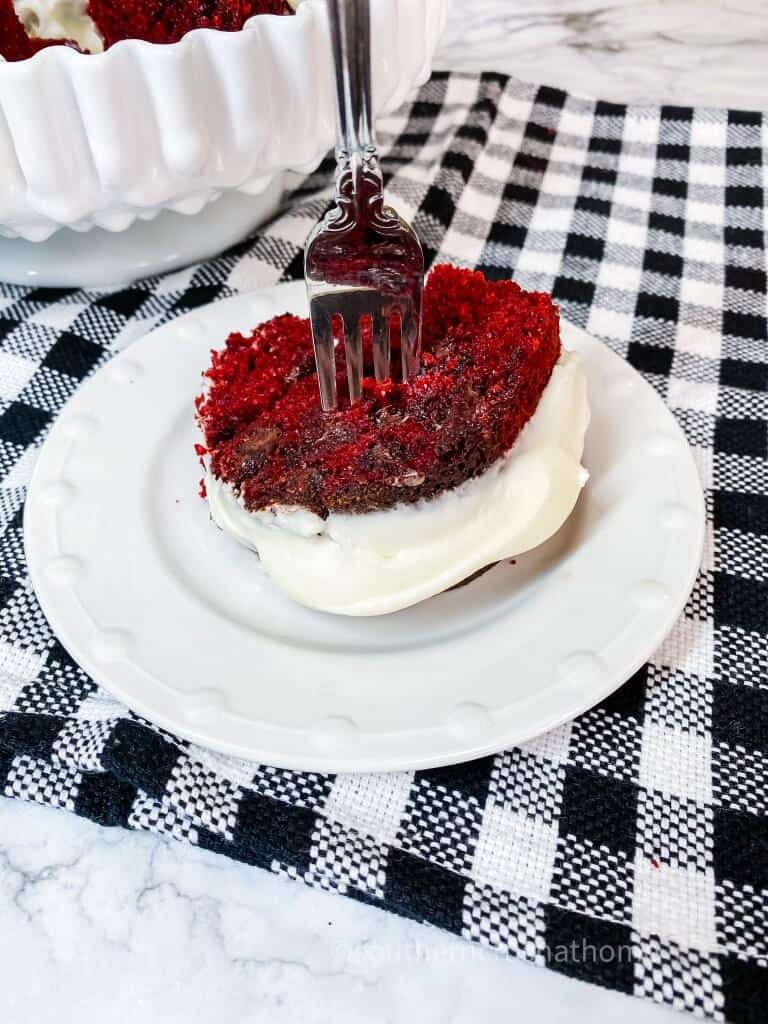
(325, 357)
(381, 347)
(353, 346)
(410, 340)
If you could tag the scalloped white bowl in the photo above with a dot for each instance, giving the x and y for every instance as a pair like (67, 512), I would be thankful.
(101, 140)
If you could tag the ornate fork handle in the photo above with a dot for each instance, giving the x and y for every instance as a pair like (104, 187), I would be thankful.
(350, 22)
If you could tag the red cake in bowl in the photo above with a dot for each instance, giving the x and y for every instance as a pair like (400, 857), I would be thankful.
(166, 21)
(380, 504)
(27, 26)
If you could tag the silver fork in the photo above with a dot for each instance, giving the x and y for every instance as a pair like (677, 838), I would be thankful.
(363, 262)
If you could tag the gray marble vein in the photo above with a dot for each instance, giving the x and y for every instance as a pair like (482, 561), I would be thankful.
(713, 52)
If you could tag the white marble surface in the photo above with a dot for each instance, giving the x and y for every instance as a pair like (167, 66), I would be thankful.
(713, 52)
(105, 925)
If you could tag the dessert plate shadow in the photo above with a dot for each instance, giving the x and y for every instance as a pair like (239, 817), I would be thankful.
(177, 620)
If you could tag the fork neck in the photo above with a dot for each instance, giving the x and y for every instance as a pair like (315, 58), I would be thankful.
(350, 24)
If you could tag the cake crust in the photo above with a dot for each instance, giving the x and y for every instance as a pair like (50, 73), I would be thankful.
(488, 352)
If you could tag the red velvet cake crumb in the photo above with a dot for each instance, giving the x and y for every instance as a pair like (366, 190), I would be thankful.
(488, 351)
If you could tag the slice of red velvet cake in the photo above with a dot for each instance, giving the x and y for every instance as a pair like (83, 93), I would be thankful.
(488, 351)
(419, 484)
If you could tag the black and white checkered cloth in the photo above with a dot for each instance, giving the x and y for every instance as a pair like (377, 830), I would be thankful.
(630, 847)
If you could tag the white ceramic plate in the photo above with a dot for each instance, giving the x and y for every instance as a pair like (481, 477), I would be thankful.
(178, 621)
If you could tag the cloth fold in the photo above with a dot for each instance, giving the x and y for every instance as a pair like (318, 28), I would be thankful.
(629, 847)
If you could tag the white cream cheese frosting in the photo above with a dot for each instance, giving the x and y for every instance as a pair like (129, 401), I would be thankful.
(60, 19)
(378, 562)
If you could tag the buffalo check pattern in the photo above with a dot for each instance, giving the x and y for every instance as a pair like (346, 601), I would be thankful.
(629, 847)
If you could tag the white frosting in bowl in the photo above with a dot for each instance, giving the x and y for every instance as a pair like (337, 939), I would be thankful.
(60, 19)
(379, 562)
